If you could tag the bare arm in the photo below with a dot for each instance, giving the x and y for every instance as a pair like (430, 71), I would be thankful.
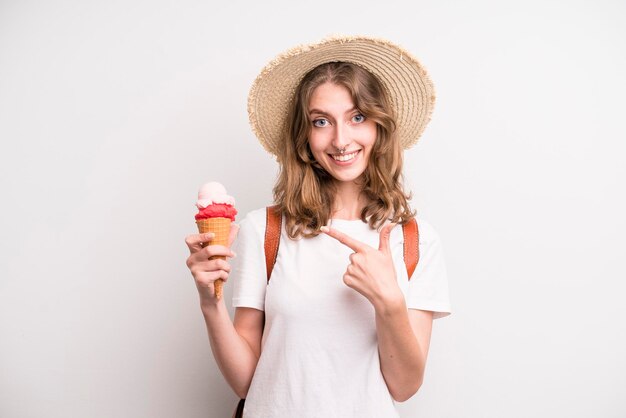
(237, 347)
(403, 335)
(403, 341)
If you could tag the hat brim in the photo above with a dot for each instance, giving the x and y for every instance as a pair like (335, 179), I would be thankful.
(406, 81)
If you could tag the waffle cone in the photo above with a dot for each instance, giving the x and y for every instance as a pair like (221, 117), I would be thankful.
(221, 228)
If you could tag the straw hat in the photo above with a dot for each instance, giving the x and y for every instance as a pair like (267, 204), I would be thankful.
(407, 83)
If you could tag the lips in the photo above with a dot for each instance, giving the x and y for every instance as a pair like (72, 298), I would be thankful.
(345, 157)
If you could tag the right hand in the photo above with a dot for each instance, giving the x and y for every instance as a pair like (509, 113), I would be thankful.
(204, 271)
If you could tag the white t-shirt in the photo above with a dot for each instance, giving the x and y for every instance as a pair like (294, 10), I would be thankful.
(319, 355)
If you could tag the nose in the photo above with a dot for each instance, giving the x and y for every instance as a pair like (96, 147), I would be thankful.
(342, 136)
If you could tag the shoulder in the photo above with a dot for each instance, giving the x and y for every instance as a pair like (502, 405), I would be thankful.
(254, 221)
(255, 216)
(427, 232)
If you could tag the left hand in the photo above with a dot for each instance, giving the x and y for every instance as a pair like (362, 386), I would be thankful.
(371, 271)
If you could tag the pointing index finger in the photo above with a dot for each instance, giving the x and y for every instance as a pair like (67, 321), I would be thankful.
(346, 240)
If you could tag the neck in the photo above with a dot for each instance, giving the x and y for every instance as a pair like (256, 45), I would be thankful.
(349, 201)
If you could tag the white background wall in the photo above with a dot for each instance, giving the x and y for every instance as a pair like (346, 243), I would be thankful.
(113, 113)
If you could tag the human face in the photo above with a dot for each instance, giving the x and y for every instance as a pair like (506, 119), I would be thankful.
(337, 124)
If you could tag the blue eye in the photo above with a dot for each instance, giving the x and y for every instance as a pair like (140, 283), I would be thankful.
(358, 118)
(320, 123)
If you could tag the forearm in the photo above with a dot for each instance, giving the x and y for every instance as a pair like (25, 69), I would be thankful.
(401, 360)
(234, 357)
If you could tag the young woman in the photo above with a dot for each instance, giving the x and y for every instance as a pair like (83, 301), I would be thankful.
(340, 329)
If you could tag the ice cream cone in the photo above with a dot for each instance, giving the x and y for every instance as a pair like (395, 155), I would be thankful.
(221, 228)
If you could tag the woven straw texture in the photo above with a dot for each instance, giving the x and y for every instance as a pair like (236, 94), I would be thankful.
(221, 228)
(407, 83)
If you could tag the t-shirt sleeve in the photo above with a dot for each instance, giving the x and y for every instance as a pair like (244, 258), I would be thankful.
(428, 287)
(248, 273)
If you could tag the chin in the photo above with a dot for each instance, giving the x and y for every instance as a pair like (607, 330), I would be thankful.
(346, 178)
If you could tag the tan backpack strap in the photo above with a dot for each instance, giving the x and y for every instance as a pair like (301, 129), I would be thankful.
(273, 221)
(411, 246)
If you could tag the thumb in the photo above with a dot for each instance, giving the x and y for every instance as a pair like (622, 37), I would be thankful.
(234, 230)
(385, 233)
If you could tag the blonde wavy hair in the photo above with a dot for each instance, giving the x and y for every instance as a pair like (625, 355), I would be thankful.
(305, 192)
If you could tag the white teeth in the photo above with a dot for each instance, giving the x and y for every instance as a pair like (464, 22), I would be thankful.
(346, 157)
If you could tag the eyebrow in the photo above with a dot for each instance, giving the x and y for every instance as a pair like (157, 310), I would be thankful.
(321, 112)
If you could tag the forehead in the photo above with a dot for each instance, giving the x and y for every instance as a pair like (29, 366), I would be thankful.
(331, 97)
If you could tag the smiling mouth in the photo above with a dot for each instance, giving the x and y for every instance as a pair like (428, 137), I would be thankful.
(344, 157)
